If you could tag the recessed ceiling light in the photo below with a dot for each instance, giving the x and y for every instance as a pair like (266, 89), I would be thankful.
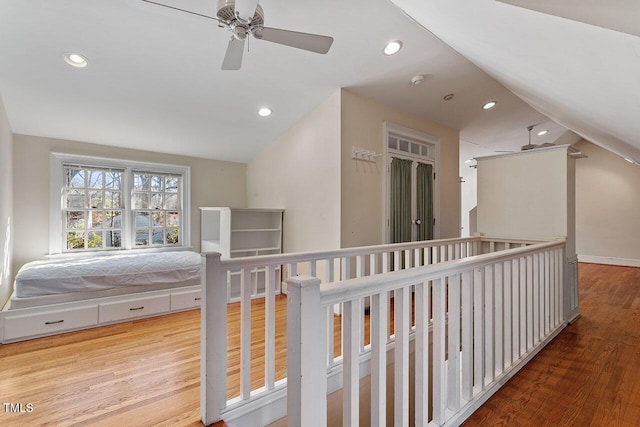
(392, 47)
(264, 111)
(629, 160)
(448, 97)
(75, 60)
(489, 105)
(468, 161)
(542, 132)
(416, 80)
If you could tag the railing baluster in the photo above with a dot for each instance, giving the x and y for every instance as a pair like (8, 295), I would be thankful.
(547, 283)
(450, 252)
(489, 331)
(360, 264)
(478, 328)
(330, 337)
(351, 319)
(467, 334)
(402, 313)
(552, 286)
(407, 258)
(536, 299)
(416, 258)
(270, 327)
(523, 306)
(515, 307)
(499, 318)
(379, 334)
(313, 268)
(422, 354)
(439, 350)
(245, 333)
(508, 316)
(453, 338)
(530, 298)
(293, 269)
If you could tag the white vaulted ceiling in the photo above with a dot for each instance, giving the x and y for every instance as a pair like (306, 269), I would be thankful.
(154, 81)
(577, 62)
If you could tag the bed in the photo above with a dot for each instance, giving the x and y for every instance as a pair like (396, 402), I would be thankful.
(63, 280)
(69, 294)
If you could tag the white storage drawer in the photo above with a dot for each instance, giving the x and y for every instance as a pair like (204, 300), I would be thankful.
(185, 300)
(28, 325)
(138, 307)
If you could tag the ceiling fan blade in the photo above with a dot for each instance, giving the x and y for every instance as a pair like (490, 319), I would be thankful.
(310, 42)
(181, 10)
(246, 8)
(233, 57)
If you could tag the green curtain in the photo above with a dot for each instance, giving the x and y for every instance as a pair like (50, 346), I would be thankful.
(424, 200)
(400, 217)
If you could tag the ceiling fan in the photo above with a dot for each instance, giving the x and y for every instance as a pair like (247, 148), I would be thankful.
(531, 146)
(245, 17)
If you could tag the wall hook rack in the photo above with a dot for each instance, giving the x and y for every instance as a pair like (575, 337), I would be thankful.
(358, 153)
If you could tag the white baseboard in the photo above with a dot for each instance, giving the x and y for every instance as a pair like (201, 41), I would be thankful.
(609, 260)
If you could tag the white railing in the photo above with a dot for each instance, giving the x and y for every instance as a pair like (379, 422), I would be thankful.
(260, 277)
(484, 317)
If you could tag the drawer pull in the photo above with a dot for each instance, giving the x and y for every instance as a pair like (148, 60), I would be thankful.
(137, 308)
(197, 299)
(54, 322)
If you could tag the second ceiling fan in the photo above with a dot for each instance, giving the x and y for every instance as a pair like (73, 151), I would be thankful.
(245, 17)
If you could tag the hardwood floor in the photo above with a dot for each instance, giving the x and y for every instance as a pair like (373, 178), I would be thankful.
(590, 374)
(146, 372)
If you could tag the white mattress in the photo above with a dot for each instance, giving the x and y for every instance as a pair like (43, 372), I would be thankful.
(101, 273)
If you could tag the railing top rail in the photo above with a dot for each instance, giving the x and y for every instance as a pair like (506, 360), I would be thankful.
(347, 290)
(277, 259)
(510, 240)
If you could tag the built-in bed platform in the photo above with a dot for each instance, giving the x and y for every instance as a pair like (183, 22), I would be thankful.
(69, 294)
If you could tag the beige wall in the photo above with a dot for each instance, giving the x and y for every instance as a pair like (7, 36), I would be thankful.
(362, 189)
(213, 183)
(524, 195)
(607, 207)
(6, 205)
(300, 172)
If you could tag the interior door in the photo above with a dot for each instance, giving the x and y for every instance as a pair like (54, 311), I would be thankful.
(411, 200)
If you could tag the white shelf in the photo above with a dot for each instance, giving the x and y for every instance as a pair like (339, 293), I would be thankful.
(255, 230)
(242, 233)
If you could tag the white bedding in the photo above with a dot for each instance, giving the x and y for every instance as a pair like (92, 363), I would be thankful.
(62, 276)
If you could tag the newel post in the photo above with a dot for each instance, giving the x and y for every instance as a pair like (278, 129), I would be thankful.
(306, 354)
(213, 339)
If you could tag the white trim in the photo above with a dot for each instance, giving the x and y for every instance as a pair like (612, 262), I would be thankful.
(389, 128)
(625, 262)
(520, 153)
(56, 160)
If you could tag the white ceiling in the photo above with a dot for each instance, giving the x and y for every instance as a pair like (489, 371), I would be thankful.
(154, 81)
(579, 67)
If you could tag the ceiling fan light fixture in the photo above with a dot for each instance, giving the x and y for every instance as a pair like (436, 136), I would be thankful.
(392, 47)
(542, 132)
(489, 105)
(264, 112)
(75, 60)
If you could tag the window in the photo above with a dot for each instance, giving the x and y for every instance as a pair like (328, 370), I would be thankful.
(108, 204)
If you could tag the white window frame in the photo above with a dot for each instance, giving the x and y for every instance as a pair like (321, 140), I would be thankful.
(56, 187)
(394, 130)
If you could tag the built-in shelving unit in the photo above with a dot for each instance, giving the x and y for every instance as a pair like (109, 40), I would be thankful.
(241, 233)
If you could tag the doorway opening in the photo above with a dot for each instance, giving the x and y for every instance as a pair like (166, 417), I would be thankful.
(411, 196)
